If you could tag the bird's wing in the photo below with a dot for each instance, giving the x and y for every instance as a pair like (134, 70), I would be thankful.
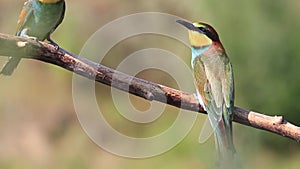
(209, 91)
(26, 13)
(213, 89)
(228, 85)
(200, 81)
(220, 90)
(228, 93)
(215, 104)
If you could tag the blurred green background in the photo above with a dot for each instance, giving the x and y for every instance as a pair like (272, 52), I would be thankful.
(38, 124)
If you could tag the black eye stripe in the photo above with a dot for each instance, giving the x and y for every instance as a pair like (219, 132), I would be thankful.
(203, 29)
(207, 32)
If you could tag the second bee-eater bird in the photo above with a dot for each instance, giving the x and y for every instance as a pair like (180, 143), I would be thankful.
(38, 19)
(213, 78)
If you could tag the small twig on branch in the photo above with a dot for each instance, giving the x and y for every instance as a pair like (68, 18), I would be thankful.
(28, 48)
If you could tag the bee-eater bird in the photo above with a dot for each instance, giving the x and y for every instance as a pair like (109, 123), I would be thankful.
(38, 19)
(213, 78)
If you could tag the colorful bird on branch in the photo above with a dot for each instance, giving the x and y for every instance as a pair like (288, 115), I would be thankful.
(38, 19)
(213, 77)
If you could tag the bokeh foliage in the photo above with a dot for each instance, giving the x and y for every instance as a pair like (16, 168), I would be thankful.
(38, 124)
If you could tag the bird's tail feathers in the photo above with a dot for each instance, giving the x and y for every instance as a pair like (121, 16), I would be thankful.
(227, 156)
(10, 66)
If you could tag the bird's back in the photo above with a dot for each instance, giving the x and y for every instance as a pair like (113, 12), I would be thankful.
(40, 19)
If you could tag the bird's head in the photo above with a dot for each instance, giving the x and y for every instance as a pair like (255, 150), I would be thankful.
(49, 1)
(200, 34)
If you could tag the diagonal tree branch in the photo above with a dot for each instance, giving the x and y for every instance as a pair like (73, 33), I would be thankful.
(30, 48)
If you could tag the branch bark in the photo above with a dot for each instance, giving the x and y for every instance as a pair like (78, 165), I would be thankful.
(30, 48)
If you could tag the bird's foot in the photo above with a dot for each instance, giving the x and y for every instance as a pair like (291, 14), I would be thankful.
(53, 43)
(31, 38)
(24, 34)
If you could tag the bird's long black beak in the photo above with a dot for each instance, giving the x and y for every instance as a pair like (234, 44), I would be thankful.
(188, 25)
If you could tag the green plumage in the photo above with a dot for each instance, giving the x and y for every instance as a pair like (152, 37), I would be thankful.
(214, 83)
(214, 80)
(37, 20)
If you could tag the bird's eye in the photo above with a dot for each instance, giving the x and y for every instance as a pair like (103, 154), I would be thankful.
(202, 29)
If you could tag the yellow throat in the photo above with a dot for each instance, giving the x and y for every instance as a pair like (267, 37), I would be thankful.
(198, 40)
